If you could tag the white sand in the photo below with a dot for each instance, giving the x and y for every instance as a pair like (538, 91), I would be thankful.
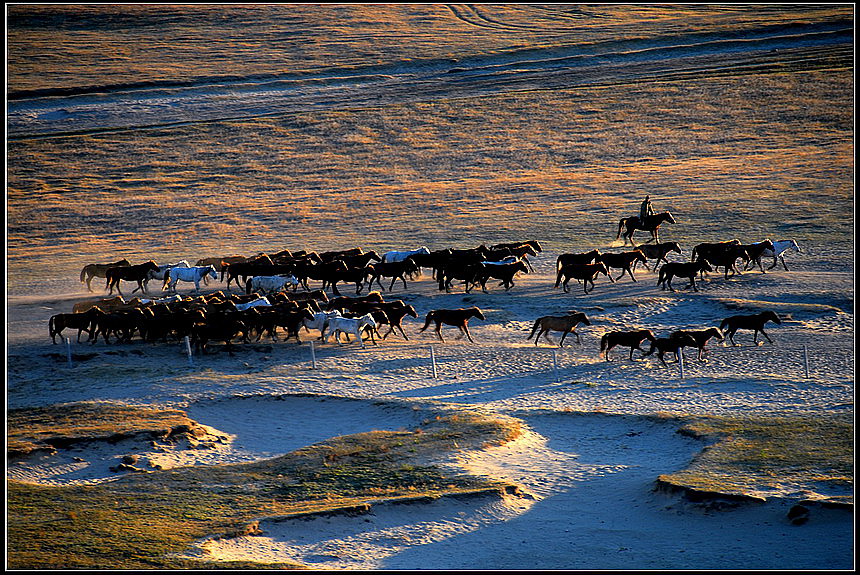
(589, 478)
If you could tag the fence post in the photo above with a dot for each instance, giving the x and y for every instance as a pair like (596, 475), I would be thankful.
(555, 364)
(69, 351)
(313, 356)
(433, 361)
(188, 351)
(681, 361)
(806, 361)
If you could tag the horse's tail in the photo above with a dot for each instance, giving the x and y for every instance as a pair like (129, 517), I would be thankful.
(430, 316)
(558, 278)
(604, 342)
(224, 267)
(661, 276)
(51, 327)
(248, 286)
(83, 274)
(166, 279)
(620, 226)
(534, 328)
(724, 324)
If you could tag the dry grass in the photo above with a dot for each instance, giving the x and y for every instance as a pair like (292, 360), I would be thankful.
(761, 456)
(146, 521)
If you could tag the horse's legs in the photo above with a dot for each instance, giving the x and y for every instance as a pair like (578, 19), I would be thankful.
(439, 331)
(465, 329)
(561, 341)
(693, 283)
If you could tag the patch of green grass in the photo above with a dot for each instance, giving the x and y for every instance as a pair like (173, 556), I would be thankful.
(763, 455)
(147, 521)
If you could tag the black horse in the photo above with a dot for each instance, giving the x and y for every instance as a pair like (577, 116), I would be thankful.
(649, 224)
(754, 322)
(136, 273)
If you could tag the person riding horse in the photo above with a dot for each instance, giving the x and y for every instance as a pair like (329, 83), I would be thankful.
(646, 209)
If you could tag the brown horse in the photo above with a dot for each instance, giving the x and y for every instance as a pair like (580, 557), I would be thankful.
(83, 322)
(631, 339)
(683, 270)
(584, 272)
(137, 273)
(657, 252)
(580, 258)
(456, 317)
(650, 224)
(623, 261)
(755, 322)
(393, 270)
(504, 272)
(663, 345)
(563, 323)
(98, 270)
(701, 338)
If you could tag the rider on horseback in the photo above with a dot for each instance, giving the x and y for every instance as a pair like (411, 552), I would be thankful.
(645, 209)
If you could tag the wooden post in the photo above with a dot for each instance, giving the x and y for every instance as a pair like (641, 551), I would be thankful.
(313, 356)
(681, 361)
(188, 351)
(806, 361)
(555, 364)
(433, 361)
(69, 351)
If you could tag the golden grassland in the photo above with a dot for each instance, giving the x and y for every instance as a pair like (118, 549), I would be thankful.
(146, 521)
(138, 44)
(756, 455)
(730, 157)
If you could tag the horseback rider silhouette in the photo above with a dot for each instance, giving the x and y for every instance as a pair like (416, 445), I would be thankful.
(645, 209)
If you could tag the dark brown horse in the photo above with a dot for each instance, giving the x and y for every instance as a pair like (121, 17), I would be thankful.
(393, 270)
(684, 270)
(657, 252)
(533, 243)
(456, 317)
(563, 323)
(83, 322)
(98, 270)
(580, 258)
(504, 272)
(663, 345)
(631, 339)
(701, 338)
(650, 224)
(392, 313)
(136, 273)
(584, 272)
(754, 322)
(623, 261)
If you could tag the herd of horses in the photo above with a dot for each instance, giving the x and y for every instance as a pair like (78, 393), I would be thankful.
(270, 299)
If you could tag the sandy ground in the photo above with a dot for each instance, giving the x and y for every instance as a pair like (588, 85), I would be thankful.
(589, 477)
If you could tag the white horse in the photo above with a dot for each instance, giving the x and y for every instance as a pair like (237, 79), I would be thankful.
(320, 320)
(192, 274)
(270, 284)
(778, 253)
(159, 275)
(350, 325)
(262, 301)
(399, 256)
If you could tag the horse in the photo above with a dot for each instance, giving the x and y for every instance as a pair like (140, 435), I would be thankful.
(260, 266)
(706, 249)
(467, 272)
(755, 322)
(778, 251)
(504, 272)
(651, 224)
(533, 243)
(162, 269)
(456, 317)
(115, 302)
(584, 272)
(662, 345)
(726, 257)
(394, 270)
(319, 320)
(83, 322)
(270, 284)
(701, 338)
(581, 258)
(345, 302)
(98, 270)
(394, 313)
(754, 252)
(623, 261)
(355, 275)
(657, 252)
(519, 252)
(192, 274)
(219, 263)
(564, 323)
(399, 256)
(631, 339)
(683, 270)
(350, 325)
(259, 302)
(136, 273)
